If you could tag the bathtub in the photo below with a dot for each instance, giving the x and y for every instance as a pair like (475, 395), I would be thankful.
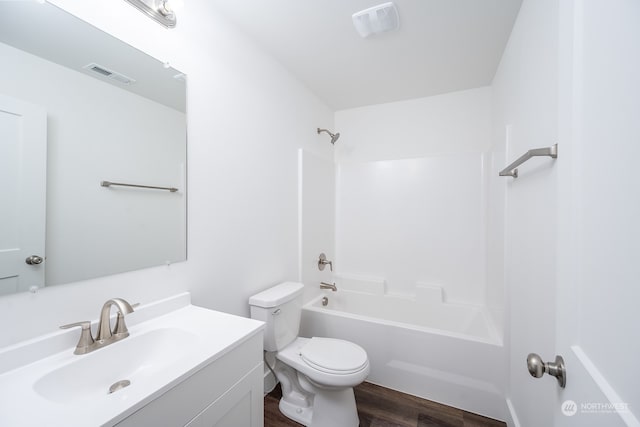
(448, 353)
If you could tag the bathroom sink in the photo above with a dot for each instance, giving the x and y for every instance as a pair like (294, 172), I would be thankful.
(170, 340)
(134, 359)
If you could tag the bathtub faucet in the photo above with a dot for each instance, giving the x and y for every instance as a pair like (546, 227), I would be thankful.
(324, 285)
(322, 261)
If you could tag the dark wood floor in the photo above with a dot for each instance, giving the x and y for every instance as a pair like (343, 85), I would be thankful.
(382, 407)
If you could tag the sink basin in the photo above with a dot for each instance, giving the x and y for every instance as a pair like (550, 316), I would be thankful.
(135, 359)
(43, 382)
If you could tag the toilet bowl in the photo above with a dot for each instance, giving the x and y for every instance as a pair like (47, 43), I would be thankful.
(326, 361)
(317, 375)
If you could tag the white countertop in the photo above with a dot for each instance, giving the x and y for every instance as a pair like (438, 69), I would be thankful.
(211, 334)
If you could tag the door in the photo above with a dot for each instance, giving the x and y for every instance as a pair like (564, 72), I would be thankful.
(598, 274)
(573, 224)
(23, 157)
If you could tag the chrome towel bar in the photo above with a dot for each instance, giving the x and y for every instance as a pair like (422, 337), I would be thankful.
(109, 184)
(512, 170)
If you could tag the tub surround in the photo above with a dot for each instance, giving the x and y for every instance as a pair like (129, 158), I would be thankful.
(426, 308)
(398, 220)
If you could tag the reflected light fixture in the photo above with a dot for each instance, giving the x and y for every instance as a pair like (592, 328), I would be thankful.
(158, 10)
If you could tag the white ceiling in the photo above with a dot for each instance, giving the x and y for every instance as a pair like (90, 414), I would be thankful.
(442, 45)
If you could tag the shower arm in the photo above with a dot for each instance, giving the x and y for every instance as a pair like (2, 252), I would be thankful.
(331, 134)
(334, 136)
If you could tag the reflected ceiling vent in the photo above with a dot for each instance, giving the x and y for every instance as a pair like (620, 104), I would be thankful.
(376, 19)
(110, 74)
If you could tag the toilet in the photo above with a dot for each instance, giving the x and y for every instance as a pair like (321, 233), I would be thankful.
(317, 375)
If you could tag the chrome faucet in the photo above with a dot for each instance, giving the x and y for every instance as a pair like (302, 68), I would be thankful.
(332, 286)
(323, 261)
(105, 335)
(104, 327)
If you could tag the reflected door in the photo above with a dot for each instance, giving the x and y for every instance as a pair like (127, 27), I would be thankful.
(23, 158)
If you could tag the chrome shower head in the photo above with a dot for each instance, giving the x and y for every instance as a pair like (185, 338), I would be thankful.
(334, 136)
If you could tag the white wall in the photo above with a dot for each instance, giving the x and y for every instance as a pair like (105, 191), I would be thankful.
(525, 112)
(249, 118)
(411, 200)
(494, 186)
(242, 171)
(316, 218)
(83, 148)
(456, 122)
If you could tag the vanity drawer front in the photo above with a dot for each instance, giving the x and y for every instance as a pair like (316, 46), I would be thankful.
(179, 405)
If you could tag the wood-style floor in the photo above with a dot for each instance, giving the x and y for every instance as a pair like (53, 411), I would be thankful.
(382, 407)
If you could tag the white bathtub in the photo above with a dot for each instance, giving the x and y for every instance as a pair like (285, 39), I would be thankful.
(448, 353)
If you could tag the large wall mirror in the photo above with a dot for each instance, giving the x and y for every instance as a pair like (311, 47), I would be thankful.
(79, 107)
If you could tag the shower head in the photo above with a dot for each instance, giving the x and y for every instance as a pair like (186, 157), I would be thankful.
(334, 136)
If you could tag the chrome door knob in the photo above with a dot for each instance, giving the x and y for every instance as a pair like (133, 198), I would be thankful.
(537, 367)
(34, 260)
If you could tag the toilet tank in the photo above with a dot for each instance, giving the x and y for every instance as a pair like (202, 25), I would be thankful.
(280, 308)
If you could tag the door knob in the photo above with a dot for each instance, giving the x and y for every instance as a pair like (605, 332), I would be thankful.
(537, 368)
(34, 260)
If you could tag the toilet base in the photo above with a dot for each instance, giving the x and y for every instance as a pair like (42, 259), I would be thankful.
(315, 405)
(331, 408)
(297, 413)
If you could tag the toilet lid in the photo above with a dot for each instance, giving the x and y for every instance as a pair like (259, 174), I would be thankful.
(333, 356)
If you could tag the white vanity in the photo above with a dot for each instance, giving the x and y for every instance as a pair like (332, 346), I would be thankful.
(182, 365)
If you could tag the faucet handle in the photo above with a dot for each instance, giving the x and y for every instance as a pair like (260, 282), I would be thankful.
(322, 261)
(86, 339)
(120, 330)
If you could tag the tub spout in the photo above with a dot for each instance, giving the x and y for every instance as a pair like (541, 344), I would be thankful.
(324, 285)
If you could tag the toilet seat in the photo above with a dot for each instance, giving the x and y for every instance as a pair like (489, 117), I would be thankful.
(320, 367)
(334, 356)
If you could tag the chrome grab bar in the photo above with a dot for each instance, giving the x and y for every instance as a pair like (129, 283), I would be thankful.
(109, 184)
(512, 170)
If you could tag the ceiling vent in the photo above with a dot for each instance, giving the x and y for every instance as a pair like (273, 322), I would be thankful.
(110, 74)
(376, 19)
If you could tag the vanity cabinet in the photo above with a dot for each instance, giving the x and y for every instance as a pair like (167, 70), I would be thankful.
(228, 392)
